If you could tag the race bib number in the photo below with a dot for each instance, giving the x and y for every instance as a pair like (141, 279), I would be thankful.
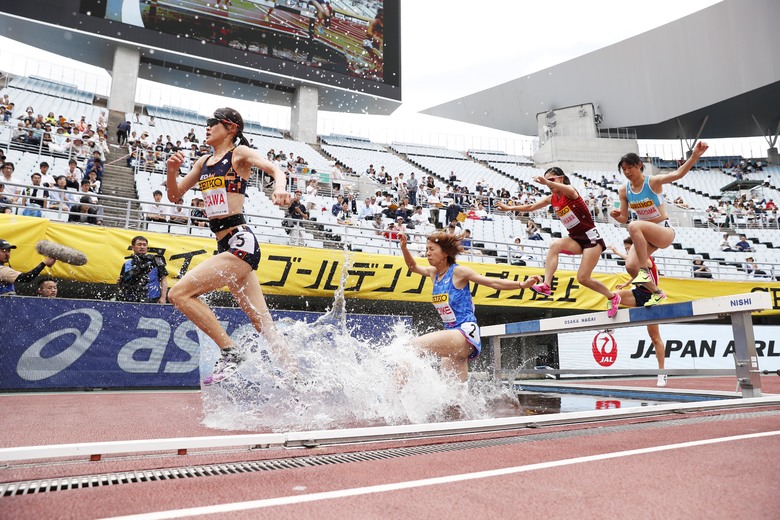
(471, 330)
(243, 241)
(214, 196)
(442, 304)
(593, 235)
(568, 218)
(645, 209)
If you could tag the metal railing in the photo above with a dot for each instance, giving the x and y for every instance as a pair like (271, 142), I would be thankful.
(360, 236)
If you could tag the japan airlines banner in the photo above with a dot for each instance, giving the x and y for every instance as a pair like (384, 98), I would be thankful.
(686, 347)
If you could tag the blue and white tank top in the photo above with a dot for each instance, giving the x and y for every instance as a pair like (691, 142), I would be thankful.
(647, 203)
(453, 305)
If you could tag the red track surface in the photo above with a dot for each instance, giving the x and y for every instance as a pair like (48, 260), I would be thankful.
(724, 479)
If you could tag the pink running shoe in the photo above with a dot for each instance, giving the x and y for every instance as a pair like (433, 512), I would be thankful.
(227, 365)
(542, 289)
(614, 304)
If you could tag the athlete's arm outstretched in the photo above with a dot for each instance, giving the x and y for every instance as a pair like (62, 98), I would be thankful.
(657, 181)
(463, 275)
(566, 189)
(525, 208)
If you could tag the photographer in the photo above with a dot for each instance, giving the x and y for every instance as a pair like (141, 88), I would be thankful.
(143, 277)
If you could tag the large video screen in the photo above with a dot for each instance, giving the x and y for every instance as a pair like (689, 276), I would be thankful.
(345, 37)
(251, 49)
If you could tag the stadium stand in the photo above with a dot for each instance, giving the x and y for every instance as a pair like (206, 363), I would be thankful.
(698, 235)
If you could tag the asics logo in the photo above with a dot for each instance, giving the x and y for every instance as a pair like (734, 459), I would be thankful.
(32, 366)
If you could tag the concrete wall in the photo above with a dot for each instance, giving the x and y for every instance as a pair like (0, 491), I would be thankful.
(583, 153)
(576, 121)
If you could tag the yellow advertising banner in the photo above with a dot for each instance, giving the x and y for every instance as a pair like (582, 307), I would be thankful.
(302, 271)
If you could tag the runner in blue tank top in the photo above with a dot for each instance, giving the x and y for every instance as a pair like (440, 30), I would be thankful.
(459, 341)
(651, 230)
(222, 177)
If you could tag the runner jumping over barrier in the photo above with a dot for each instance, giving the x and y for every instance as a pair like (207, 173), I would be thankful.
(459, 341)
(584, 238)
(652, 230)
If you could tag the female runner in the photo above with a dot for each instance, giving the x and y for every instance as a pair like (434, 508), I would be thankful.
(584, 238)
(652, 230)
(637, 296)
(460, 340)
(222, 178)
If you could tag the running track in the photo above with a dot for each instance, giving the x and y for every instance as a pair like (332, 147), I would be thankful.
(708, 463)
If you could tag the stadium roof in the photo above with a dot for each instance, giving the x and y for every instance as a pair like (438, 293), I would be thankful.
(712, 72)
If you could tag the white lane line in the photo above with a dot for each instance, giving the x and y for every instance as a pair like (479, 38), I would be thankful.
(343, 493)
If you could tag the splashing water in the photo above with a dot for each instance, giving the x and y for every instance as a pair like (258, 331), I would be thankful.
(342, 380)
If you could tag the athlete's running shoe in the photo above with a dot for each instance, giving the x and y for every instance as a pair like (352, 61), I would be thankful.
(642, 277)
(661, 380)
(614, 304)
(542, 288)
(655, 298)
(226, 365)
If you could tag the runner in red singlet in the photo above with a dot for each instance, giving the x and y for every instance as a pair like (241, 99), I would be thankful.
(584, 238)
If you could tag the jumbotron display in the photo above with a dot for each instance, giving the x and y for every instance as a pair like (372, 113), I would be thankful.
(344, 37)
(349, 49)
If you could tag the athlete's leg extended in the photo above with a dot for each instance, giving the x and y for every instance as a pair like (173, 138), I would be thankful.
(451, 346)
(214, 273)
(551, 262)
(590, 257)
(249, 296)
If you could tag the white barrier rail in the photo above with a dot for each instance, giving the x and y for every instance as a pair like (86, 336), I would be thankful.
(97, 451)
(738, 306)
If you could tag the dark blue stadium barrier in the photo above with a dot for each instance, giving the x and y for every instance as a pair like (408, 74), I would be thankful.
(70, 344)
(707, 163)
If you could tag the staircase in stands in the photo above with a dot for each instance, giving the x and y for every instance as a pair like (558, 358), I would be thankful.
(118, 180)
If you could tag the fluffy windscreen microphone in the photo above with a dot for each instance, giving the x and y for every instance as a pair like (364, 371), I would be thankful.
(62, 253)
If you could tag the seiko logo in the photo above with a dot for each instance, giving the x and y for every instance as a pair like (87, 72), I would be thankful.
(211, 183)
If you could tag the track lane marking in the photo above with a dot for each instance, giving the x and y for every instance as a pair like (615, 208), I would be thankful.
(382, 488)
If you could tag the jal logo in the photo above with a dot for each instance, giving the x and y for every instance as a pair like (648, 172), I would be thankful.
(605, 348)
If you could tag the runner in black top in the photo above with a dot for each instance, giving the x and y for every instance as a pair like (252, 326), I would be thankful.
(222, 178)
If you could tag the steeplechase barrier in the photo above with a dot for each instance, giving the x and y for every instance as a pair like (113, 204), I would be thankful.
(738, 307)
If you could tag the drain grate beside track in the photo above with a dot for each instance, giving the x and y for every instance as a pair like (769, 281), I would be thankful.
(209, 470)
